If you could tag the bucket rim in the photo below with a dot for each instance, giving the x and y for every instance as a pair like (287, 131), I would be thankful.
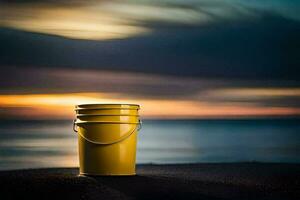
(106, 105)
(102, 115)
(105, 122)
(112, 108)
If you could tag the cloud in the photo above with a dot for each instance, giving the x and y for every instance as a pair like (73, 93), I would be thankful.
(263, 49)
(208, 39)
(77, 22)
(259, 95)
(102, 20)
(212, 57)
(65, 80)
(120, 85)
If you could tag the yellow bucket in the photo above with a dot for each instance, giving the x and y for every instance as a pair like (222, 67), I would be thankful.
(107, 143)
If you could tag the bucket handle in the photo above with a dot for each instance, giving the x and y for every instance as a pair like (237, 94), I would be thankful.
(137, 127)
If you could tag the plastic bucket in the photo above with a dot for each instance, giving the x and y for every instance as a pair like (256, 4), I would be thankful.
(107, 144)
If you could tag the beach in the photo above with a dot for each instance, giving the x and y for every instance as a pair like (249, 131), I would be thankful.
(178, 181)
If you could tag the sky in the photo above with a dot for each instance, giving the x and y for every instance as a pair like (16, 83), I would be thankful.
(176, 58)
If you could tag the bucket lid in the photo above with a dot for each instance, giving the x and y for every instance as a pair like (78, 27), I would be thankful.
(107, 106)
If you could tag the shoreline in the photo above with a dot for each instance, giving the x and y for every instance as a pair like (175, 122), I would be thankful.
(171, 181)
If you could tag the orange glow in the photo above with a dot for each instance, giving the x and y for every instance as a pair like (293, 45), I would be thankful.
(61, 106)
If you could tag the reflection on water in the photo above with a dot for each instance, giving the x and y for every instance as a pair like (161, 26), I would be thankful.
(32, 144)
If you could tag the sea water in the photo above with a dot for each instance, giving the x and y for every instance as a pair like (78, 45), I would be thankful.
(38, 144)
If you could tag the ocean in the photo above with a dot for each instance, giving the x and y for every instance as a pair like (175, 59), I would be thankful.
(39, 144)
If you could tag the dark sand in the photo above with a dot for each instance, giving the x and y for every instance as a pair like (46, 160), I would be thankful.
(195, 181)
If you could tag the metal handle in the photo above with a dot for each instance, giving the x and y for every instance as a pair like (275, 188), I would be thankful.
(74, 126)
(137, 127)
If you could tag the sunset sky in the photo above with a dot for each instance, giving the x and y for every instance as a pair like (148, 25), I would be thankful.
(176, 58)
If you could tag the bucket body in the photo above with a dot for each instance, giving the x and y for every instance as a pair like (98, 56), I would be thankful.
(107, 143)
(109, 118)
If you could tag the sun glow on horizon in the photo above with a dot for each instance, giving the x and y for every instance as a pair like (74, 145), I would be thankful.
(61, 106)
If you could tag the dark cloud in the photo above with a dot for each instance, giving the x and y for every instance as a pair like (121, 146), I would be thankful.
(49, 80)
(264, 48)
(255, 99)
(281, 102)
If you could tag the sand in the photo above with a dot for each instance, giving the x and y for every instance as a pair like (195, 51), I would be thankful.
(186, 181)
